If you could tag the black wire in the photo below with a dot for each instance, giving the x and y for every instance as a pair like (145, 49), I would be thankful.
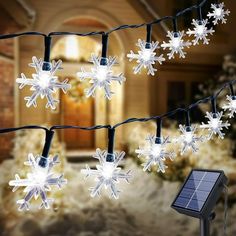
(121, 27)
(129, 120)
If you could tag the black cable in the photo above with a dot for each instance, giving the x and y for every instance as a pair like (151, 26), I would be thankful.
(149, 35)
(121, 27)
(130, 120)
(104, 49)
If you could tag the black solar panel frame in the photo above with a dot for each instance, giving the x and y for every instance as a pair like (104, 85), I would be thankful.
(211, 200)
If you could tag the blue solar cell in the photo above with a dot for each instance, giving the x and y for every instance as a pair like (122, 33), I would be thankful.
(196, 190)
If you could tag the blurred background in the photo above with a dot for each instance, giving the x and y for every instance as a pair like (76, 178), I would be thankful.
(144, 206)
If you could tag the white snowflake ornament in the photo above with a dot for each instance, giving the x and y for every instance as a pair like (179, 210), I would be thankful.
(215, 124)
(107, 174)
(155, 153)
(200, 31)
(101, 76)
(146, 57)
(176, 44)
(44, 83)
(38, 182)
(188, 139)
(218, 13)
(230, 106)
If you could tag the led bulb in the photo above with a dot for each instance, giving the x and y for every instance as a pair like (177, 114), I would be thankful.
(200, 32)
(176, 44)
(200, 29)
(107, 174)
(45, 78)
(108, 169)
(146, 57)
(102, 72)
(44, 83)
(215, 124)
(101, 76)
(155, 154)
(230, 106)
(156, 149)
(188, 139)
(146, 54)
(38, 182)
(218, 13)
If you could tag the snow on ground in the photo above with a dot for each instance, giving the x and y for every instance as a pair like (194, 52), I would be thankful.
(142, 210)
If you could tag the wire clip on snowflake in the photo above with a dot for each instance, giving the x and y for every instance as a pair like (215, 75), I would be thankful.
(38, 182)
(200, 31)
(146, 57)
(230, 106)
(188, 140)
(107, 173)
(215, 125)
(176, 44)
(101, 75)
(44, 83)
(218, 13)
(155, 153)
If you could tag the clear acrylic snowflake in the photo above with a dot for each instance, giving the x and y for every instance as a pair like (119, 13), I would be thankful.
(188, 139)
(218, 13)
(38, 182)
(230, 106)
(155, 153)
(215, 125)
(43, 83)
(107, 174)
(101, 76)
(176, 44)
(146, 57)
(200, 31)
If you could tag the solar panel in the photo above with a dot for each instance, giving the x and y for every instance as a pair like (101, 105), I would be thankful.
(200, 188)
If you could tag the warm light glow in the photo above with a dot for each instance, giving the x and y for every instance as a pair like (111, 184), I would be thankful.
(71, 47)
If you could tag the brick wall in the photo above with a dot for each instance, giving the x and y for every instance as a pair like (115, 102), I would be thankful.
(6, 98)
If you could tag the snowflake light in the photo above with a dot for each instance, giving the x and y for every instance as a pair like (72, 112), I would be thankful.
(188, 139)
(38, 182)
(107, 174)
(218, 13)
(200, 31)
(146, 57)
(155, 153)
(176, 44)
(215, 125)
(44, 83)
(101, 76)
(230, 106)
